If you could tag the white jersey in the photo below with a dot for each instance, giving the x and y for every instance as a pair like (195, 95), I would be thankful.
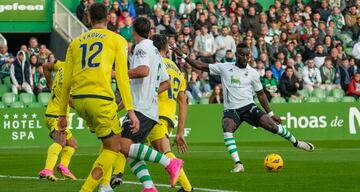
(144, 91)
(238, 84)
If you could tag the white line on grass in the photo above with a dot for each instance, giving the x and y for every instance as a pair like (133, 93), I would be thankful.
(126, 182)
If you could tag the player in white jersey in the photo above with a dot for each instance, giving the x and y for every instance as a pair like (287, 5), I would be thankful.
(148, 77)
(239, 81)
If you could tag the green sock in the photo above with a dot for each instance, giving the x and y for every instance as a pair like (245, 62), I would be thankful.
(139, 168)
(285, 133)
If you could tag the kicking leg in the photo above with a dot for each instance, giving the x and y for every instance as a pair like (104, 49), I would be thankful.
(267, 123)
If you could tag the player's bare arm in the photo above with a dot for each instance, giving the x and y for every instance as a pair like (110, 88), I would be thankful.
(48, 68)
(265, 104)
(180, 141)
(164, 86)
(139, 72)
(194, 63)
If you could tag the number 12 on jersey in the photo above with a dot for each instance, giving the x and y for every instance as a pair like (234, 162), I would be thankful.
(94, 50)
(175, 84)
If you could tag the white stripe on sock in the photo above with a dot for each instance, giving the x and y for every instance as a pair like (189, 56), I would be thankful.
(229, 142)
(153, 155)
(138, 164)
(231, 147)
(228, 135)
(143, 153)
(165, 161)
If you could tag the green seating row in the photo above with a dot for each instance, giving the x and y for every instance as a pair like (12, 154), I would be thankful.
(9, 99)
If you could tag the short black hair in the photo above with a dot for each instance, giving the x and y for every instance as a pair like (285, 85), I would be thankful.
(159, 41)
(228, 51)
(268, 69)
(142, 27)
(98, 13)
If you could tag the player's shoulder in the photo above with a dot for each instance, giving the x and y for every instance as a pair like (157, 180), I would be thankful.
(170, 65)
(253, 72)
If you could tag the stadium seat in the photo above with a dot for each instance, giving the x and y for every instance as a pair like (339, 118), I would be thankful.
(297, 100)
(35, 105)
(3, 89)
(43, 98)
(278, 100)
(26, 98)
(331, 99)
(8, 98)
(304, 92)
(319, 93)
(2, 105)
(348, 99)
(17, 104)
(204, 100)
(7, 82)
(338, 93)
(313, 100)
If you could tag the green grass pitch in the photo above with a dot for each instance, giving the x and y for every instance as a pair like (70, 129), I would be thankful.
(334, 166)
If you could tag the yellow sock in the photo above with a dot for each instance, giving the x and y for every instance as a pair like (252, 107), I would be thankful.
(107, 177)
(52, 155)
(183, 180)
(119, 164)
(67, 153)
(104, 162)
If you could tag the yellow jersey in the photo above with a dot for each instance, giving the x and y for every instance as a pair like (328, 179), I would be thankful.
(52, 109)
(168, 99)
(89, 62)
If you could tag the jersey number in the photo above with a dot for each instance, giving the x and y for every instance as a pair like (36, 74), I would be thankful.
(174, 88)
(96, 47)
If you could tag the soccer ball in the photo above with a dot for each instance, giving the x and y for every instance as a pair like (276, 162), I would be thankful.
(273, 162)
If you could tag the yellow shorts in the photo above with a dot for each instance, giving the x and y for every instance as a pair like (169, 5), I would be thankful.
(100, 115)
(52, 124)
(159, 131)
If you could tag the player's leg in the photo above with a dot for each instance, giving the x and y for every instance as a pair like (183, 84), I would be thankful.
(103, 163)
(160, 141)
(132, 146)
(230, 122)
(267, 123)
(67, 153)
(119, 168)
(54, 149)
(256, 117)
(101, 116)
(104, 185)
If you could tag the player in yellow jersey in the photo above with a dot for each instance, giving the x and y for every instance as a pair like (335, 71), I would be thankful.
(87, 74)
(63, 141)
(158, 136)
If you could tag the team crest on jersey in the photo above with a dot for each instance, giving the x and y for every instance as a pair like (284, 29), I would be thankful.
(140, 53)
(234, 80)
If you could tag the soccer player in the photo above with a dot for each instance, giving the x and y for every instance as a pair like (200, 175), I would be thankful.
(159, 134)
(148, 78)
(87, 74)
(239, 80)
(63, 141)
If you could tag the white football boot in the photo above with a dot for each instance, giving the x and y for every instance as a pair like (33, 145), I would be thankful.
(238, 168)
(304, 146)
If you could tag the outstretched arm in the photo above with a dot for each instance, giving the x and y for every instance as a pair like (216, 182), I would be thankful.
(194, 63)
